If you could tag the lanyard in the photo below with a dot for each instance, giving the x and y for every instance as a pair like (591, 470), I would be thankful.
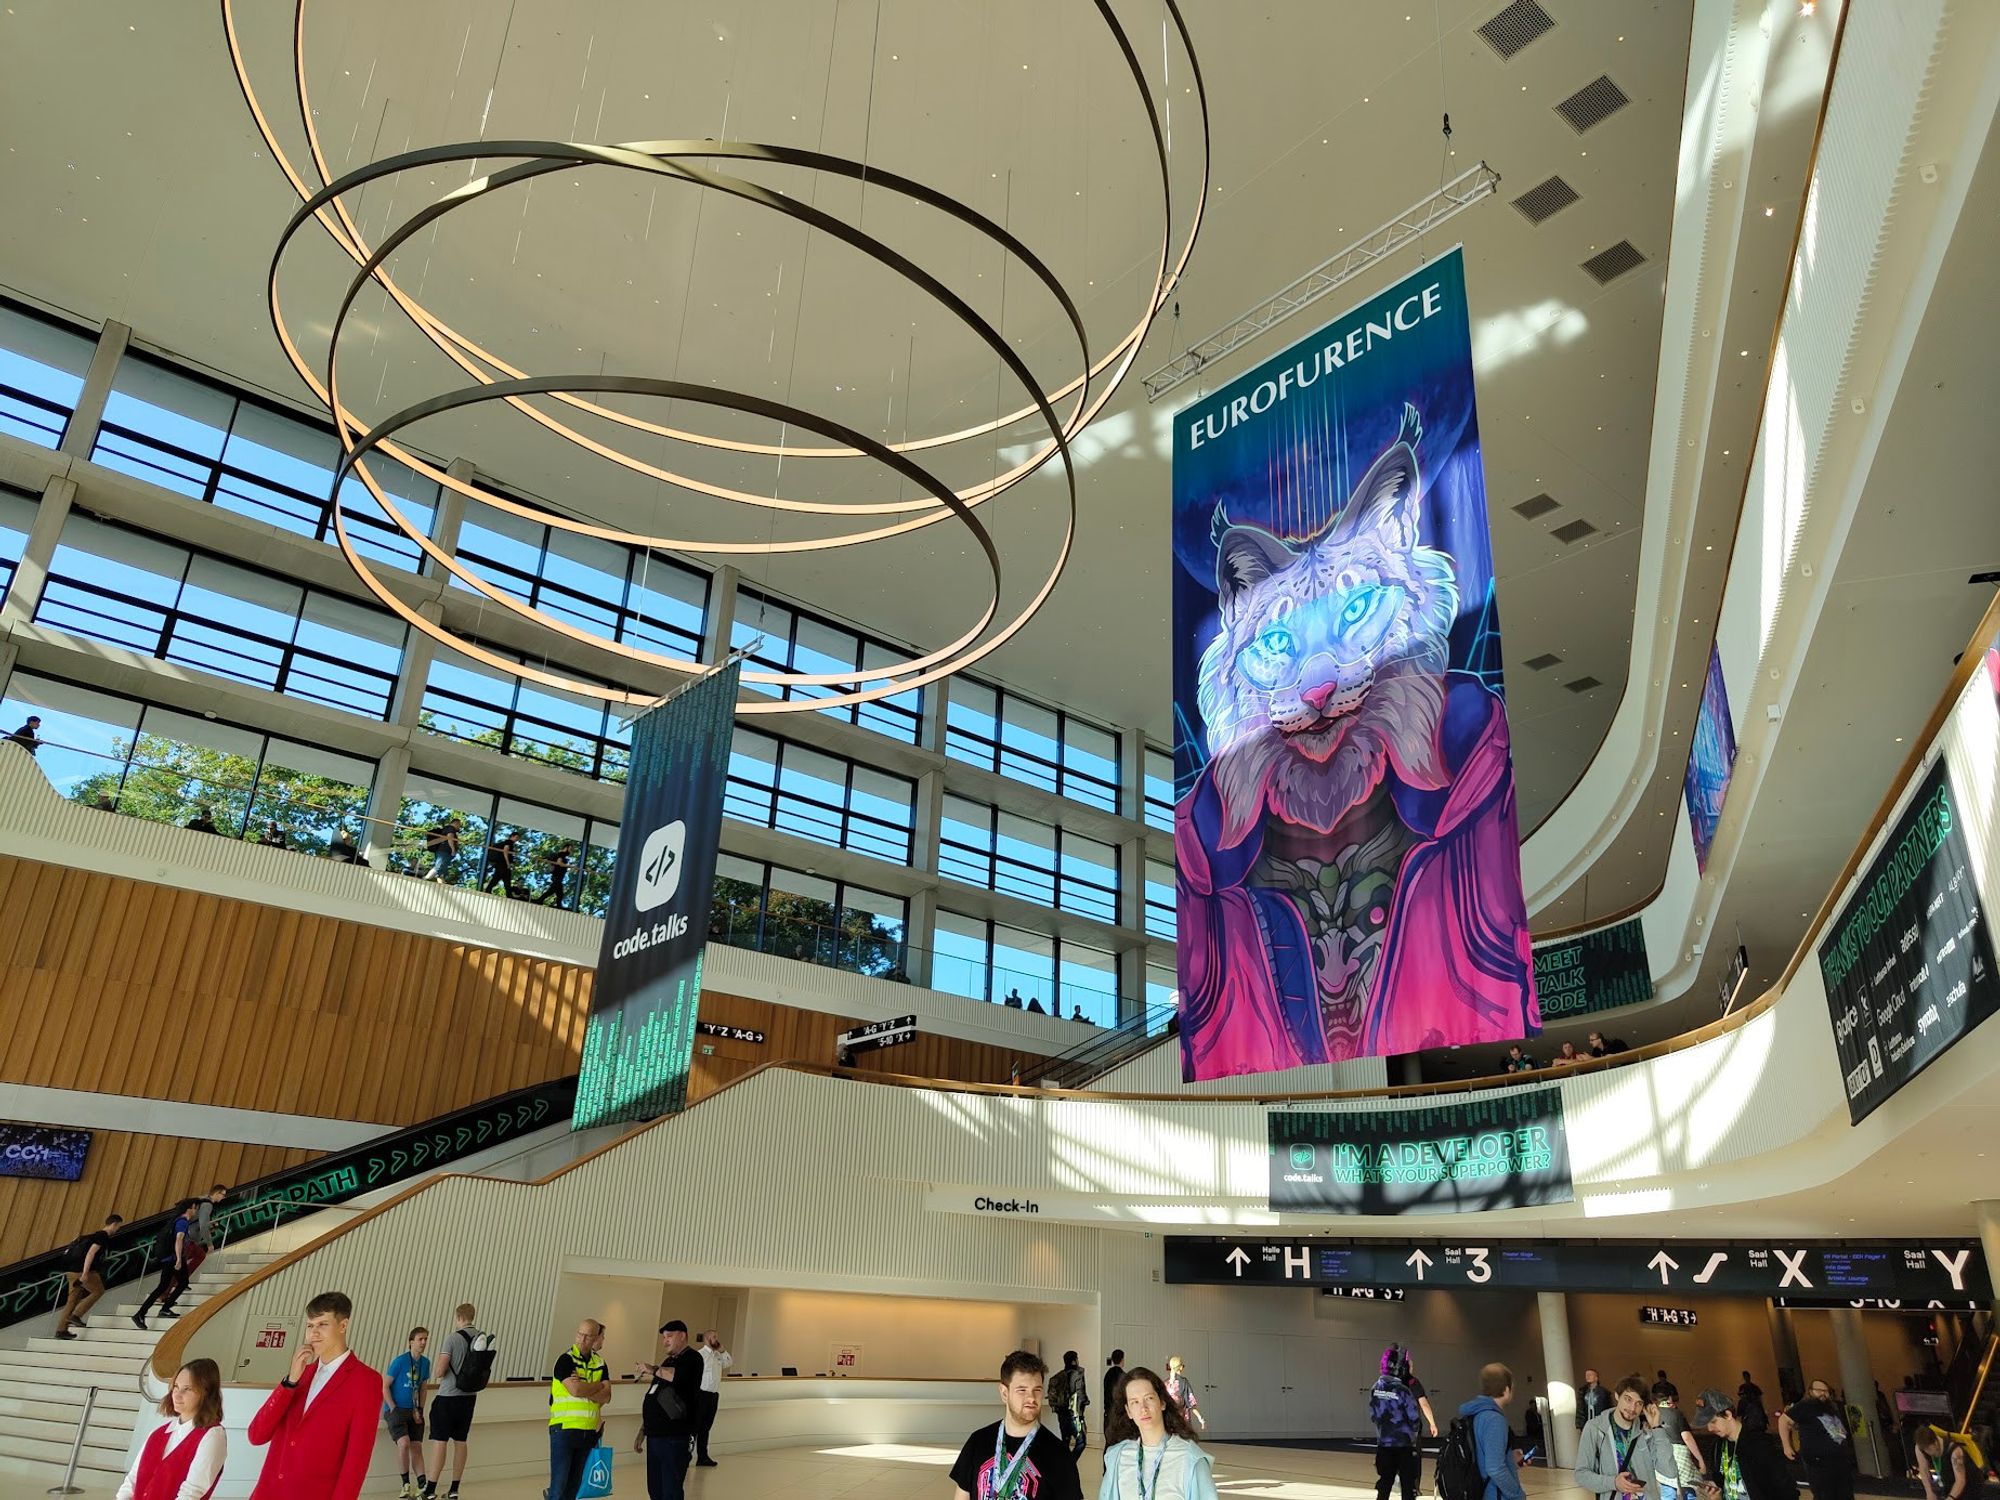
(1158, 1464)
(1003, 1478)
(1624, 1449)
(1732, 1470)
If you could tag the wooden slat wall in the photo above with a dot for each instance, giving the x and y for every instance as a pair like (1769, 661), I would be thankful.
(118, 986)
(127, 1174)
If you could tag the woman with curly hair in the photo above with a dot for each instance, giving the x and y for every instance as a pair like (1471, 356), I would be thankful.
(1150, 1452)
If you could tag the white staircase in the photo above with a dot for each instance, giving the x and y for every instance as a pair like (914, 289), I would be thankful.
(43, 1387)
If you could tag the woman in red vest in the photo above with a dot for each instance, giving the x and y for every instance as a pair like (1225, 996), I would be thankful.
(182, 1460)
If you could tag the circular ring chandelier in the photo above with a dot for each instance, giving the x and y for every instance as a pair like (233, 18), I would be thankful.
(495, 379)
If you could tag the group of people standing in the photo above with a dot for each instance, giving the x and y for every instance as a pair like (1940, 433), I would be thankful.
(676, 1414)
(1150, 1452)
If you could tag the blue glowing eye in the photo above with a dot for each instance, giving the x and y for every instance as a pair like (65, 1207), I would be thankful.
(1359, 603)
(1277, 640)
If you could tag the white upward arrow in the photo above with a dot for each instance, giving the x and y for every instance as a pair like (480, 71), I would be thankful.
(1419, 1260)
(1663, 1263)
(1237, 1259)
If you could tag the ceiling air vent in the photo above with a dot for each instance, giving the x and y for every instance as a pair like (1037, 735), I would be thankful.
(1572, 531)
(1545, 200)
(1535, 505)
(1608, 265)
(1543, 662)
(1593, 104)
(1583, 684)
(1515, 27)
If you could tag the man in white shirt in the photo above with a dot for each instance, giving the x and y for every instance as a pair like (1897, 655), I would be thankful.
(714, 1360)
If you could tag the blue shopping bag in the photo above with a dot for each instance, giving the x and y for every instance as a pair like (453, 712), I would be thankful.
(596, 1474)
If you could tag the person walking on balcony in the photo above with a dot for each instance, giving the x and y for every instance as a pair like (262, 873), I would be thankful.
(577, 1393)
(28, 736)
(169, 1258)
(203, 820)
(183, 1456)
(503, 867)
(319, 1424)
(441, 842)
(557, 870)
(83, 1275)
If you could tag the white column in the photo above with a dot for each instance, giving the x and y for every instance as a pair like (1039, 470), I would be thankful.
(721, 617)
(81, 436)
(1850, 1348)
(385, 805)
(1785, 1345)
(1559, 1375)
(31, 575)
(449, 518)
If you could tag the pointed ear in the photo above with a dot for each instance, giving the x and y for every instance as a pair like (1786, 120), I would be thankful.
(1246, 556)
(1386, 498)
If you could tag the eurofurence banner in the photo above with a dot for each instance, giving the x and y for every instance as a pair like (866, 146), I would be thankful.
(1348, 866)
(1509, 1152)
(640, 1040)
(1711, 759)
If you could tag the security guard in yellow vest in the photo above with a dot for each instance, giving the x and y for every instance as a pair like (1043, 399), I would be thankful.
(577, 1394)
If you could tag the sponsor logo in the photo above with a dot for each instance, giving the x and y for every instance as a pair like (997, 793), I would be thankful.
(660, 866)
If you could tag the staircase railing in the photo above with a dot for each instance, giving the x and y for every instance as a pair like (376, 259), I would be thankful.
(37, 1285)
(1101, 1053)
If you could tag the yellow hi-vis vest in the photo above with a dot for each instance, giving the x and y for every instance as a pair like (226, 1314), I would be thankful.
(570, 1411)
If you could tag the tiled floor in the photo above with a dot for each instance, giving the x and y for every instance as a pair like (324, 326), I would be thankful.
(886, 1472)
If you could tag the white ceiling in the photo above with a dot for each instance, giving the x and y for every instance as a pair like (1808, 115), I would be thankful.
(147, 197)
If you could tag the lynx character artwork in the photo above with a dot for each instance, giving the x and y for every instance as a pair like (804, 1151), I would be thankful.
(1348, 864)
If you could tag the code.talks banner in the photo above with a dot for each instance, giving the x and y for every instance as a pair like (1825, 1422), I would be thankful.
(1348, 866)
(1596, 971)
(1509, 1152)
(640, 1040)
(1908, 963)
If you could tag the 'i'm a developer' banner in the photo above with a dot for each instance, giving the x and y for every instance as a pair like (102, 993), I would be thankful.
(1349, 871)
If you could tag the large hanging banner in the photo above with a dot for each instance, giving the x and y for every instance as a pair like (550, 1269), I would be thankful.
(1711, 759)
(1349, 871)
(640, 1040)
(1599, 970)
(1509, 1152)
(1908, 963)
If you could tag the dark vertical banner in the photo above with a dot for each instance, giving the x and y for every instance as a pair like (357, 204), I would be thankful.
(1599, 970)
(1348, 865)
(1711, 759)
(1908, 963)
(640, 1040)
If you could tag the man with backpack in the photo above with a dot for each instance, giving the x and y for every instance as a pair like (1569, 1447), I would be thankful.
(465, 1364)
(83, 1275)
(1478, 1460)
(1069, 1394)
(1392, 1407)
(169, 1258)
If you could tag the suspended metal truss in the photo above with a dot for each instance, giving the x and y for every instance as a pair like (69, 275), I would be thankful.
(1426, 214)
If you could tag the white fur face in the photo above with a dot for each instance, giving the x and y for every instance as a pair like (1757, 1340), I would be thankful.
(1331, 659)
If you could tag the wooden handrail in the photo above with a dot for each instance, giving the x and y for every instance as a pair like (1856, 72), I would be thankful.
(167, 1354)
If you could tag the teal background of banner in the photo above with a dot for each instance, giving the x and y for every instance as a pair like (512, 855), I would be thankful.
(1531, 1123)
(639, 1043)
(1598, 971)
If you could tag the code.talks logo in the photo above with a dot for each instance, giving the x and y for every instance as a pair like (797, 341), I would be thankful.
(1303, 1157)
(660, 866)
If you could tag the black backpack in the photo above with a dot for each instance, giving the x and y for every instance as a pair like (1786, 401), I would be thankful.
(1458, 1476)
(472, 1372)
(163, 1242)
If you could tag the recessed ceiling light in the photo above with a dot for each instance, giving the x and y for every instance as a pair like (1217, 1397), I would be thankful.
(1769, 211)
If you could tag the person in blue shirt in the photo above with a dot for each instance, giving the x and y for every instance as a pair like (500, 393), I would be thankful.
(1492, 1440)
(403, 1404)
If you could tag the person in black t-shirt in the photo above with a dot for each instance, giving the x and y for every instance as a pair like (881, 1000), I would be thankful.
(83, 1270)
(668, 1414)
(1114, 1376)
(1017, 1458)
(1815, 1430)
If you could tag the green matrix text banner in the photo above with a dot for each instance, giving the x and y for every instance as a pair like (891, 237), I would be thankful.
(1600, 970)
(640, 1040)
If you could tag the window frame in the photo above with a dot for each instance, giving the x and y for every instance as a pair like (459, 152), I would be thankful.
(1029, 767)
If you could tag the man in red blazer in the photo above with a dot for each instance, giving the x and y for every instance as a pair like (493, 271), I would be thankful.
(320, 1422)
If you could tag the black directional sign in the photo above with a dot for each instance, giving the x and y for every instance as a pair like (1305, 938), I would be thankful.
(1910, 1270)
(891, 1033)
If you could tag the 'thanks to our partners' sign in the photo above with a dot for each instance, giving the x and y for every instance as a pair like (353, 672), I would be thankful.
(1908, 964)
(1509, 1152)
